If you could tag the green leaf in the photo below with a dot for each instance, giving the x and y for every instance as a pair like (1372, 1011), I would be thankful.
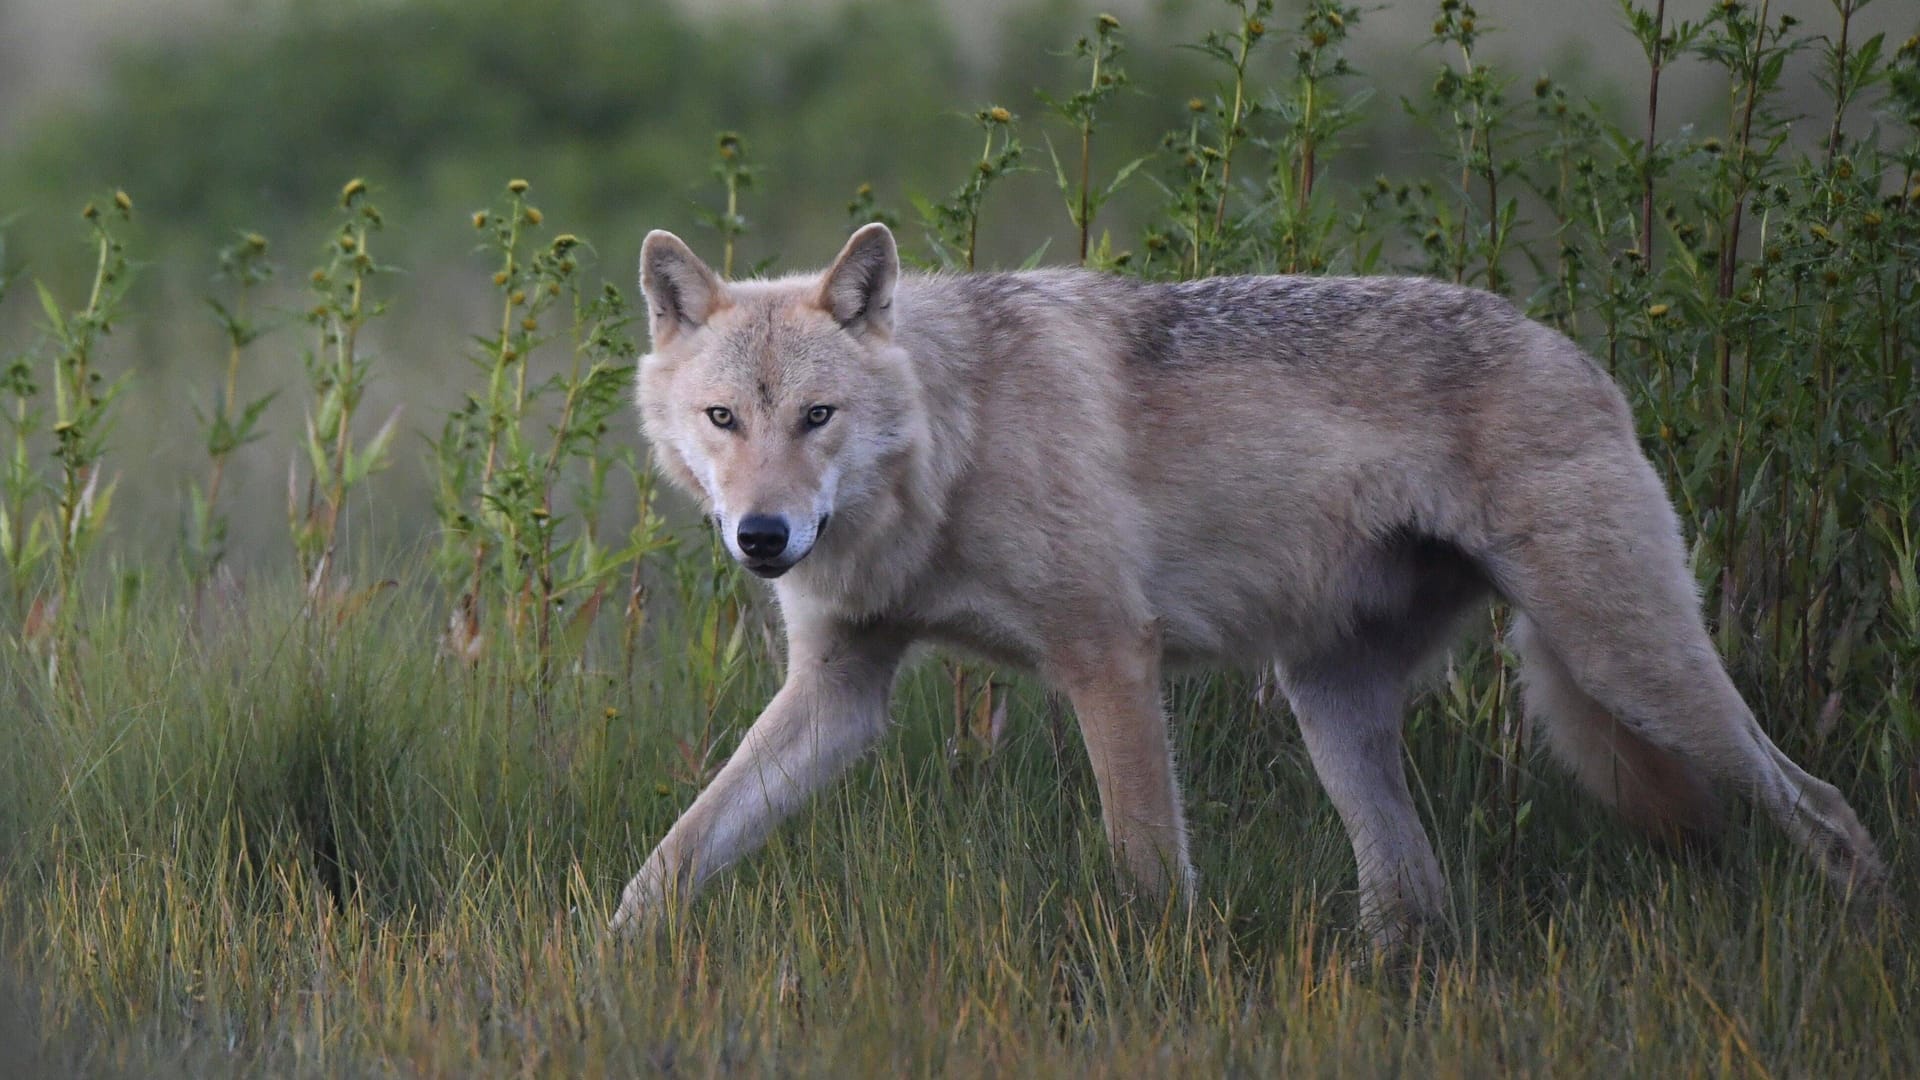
(1126, 173)
(52, 307)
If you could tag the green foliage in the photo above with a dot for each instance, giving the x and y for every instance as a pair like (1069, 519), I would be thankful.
(508, 540)
(1105, 78)
(730, 168)
(953, 226)
(338, 368)
(233, 423)
(1202, 189)
(1312, 116)
(58, 514)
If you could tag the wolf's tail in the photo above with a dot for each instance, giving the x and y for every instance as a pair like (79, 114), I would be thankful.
(1651, 788)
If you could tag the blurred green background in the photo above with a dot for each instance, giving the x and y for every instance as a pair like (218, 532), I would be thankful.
(225, 115)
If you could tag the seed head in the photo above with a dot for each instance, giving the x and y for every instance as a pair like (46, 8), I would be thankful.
(519, 297)
(999, 115)
(500, 277)
(1658, 311)
(354, 188)
(256, 241)
(347, 242)
(529, 324)
(564, 241)
(122, 203)
(479, 219)
(90, 211)
(518, 187)
(534, 216)
(1196, 105)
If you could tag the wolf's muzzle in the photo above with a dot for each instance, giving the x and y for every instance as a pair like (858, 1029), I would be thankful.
(762, 536)
(764, 541)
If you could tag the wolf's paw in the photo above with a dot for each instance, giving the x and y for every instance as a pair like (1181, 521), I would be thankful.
(641, 904)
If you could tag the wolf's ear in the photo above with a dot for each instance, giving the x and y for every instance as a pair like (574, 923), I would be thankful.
(858, 289)
(682, 292)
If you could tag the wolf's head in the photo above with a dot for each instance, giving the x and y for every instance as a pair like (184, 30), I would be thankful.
(784, 405)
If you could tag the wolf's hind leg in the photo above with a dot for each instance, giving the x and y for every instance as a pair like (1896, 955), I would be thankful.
(1351, 720)
(1596, 563)
(1114, 686)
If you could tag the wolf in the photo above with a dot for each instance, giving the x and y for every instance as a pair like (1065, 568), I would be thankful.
(1098, 479)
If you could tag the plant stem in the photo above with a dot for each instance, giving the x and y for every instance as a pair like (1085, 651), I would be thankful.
(1086, 161)
(1646, 155)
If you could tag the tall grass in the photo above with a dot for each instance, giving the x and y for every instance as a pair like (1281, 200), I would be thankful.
(369, 818)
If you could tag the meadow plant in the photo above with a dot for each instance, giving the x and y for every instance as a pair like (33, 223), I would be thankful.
(52, 517)
(1310, 114)
(524, 550)
(338, 367)
(233, 422)
(735, 176)
(953, 226)
(1105, 78)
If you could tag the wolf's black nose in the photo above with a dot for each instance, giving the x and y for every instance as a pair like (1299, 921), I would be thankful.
(762, 536)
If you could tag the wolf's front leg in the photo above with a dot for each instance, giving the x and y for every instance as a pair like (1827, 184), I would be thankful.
(831, 709)
(1114, 685)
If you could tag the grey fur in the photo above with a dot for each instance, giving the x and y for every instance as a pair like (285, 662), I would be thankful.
(1087, 476)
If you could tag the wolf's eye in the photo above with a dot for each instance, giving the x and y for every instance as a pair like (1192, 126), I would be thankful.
(818, 415)
(721, 416)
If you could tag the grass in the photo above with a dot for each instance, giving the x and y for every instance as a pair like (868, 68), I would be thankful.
(304, 824)
(275, 850)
